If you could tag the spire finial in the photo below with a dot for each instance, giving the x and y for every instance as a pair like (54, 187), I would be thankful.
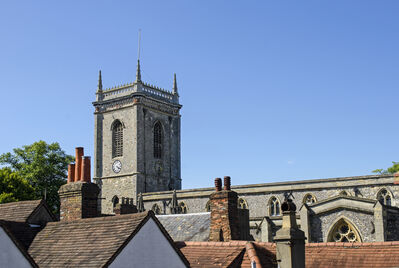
(138, 72)
(100, 82)
(175, 85)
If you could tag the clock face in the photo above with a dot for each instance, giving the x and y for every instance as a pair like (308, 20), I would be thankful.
(117, 166)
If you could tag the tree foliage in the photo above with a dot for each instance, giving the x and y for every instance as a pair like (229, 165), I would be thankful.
(391, 170)
(43, 165)
(13, 187)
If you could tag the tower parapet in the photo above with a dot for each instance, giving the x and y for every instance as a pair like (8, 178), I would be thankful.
(138, 87)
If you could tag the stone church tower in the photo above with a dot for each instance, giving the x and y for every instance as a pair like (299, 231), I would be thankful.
(137, 140)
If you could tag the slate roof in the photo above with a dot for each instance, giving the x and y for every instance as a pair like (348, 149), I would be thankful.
(187, 227)
(93, 242)
(18, 211)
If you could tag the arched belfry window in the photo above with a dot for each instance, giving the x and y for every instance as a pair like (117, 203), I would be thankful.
(274, 207)
(117, 139)
(384, 196)
(343, 231)
(158, 140)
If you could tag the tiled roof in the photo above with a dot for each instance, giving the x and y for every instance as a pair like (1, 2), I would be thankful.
(87, 242)
(228, 254)
(187, 227)
(242, 253)
(377, 254)
(18, 211)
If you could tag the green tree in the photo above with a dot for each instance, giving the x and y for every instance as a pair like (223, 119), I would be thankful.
(13, 187)
(391, 170)
(43, 165)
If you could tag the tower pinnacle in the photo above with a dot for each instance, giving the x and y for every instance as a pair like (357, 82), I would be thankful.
(100, 82)
(175, 85)
(138, 72)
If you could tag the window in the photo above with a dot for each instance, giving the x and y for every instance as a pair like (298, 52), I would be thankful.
(242, 203)
(117, 139)
(158, 140)
(183, 208)
(274, 207)
(115, 201)
(208, 206)
(156, 209)
(309, 199)
(343, 231)
(384, 196)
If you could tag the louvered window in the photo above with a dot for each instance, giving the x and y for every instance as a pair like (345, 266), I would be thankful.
(158, 140)
(117, 139)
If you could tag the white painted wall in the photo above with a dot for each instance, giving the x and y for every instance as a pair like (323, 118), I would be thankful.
(148, 248)
(10, 255)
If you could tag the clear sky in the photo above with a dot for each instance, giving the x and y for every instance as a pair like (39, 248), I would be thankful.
(271, 90)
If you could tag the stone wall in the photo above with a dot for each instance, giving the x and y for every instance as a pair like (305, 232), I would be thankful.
(321, 225)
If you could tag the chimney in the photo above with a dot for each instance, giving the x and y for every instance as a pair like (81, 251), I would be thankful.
(78, 163)
(79, 196)
(290, 240)
(125, 207)
(224, 213)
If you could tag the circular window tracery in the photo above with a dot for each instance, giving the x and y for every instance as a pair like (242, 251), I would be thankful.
(343, 231)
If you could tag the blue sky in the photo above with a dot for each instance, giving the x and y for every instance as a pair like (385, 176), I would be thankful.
(271, 90)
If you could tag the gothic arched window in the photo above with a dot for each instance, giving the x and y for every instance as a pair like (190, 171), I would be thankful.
(156, 209)
(384, 196)
(115, 201)
(242, 203)
(157, 140)
(343, 231)
(274, 206)
(117, 139)
(183, 208)
(309, 199)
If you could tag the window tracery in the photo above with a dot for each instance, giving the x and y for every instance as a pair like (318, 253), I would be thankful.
(157, 140)
(274, 207)
(309, 199)
(117, 139)
(157, 210)
(384, 196)
(343, 231)
(242, 203)
(183, 208)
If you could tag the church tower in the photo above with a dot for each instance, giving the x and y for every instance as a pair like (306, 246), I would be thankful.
(137, 140)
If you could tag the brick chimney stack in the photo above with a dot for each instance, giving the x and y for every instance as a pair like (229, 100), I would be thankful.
(225, 224)
(79, 196)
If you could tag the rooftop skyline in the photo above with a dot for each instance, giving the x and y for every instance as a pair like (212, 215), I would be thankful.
(271, 91)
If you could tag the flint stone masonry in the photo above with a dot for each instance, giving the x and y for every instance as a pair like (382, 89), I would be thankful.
(138, 107)
(258, 196)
